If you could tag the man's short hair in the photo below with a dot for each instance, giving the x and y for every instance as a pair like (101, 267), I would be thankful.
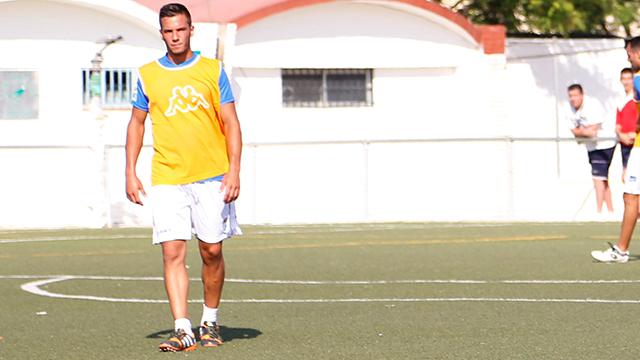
(173, 9)
(626, 71)
(575, 87)
(633, 43)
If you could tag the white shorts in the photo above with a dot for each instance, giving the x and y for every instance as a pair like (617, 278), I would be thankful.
(632, 177)
(199, 209)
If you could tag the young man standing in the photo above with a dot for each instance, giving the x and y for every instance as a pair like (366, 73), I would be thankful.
(587, 123)
(619, 253)
(195, 170)
(626, 118)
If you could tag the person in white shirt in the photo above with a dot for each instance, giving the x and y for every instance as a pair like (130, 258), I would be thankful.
(589, 125)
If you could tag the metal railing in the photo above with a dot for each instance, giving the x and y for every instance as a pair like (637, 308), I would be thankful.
(117, 86)
(343, 142)
(363, 146)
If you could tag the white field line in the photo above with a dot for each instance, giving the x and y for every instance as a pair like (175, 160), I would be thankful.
(72, 238)
(425, 300)
(34, 288)
(330, 228)
(334, 282)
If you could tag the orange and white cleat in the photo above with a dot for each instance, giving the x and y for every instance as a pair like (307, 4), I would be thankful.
(210, 335)
(179, 341)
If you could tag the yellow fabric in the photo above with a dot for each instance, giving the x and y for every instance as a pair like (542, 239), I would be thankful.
(188, 132)
(636, 143)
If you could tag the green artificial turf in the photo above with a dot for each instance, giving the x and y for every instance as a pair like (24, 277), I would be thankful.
(491, 318)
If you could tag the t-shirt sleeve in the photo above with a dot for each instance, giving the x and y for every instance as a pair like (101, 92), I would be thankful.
(570, 118)
(140, 99)
(619, 116)
(571, 123)
(226, 95)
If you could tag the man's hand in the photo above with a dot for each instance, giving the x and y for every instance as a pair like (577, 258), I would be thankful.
(628, 138)
(231, 186)
(591, 132)
(134, 189)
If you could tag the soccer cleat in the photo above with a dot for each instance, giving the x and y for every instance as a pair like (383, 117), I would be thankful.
(611, 255)
(179, 341)
(210, 335)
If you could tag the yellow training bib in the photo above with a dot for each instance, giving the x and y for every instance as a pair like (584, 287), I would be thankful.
(188, 132)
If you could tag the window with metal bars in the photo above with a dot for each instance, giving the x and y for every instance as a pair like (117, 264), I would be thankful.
(327, 87)
(116, 87)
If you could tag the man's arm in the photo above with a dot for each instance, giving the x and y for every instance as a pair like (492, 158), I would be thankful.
(135, 134)
(233, 135)
(589, 131)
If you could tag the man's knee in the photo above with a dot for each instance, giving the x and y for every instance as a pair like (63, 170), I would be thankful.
(211, 253)
(630, 200)
(173, 252)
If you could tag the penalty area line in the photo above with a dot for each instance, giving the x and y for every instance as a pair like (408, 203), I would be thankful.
(34, 287)
(333, 282)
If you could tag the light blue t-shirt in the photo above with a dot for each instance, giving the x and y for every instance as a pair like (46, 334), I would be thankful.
(141, 101)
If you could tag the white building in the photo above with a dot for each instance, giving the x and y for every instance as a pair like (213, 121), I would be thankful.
(359, 110)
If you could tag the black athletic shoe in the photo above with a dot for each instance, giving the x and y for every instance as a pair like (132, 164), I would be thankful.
(210, 335)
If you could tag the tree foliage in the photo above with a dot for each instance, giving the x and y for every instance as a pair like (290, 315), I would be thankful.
(564, 17)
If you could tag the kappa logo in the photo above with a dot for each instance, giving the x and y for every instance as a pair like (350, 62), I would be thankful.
(185, 99)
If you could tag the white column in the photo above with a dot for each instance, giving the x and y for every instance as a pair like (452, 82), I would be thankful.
(205, 39)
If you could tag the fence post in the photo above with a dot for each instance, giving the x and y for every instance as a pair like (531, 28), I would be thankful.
(365, 180)
(510, 180)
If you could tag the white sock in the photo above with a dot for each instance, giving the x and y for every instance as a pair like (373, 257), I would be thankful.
(209, 314)
(620, 251)
(183, 324)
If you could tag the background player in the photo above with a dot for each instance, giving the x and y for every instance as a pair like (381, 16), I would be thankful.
(626, 118)
(588, 123)
(195, 171)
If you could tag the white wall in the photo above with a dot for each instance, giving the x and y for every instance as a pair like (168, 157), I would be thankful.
(398, 160)
(534, 67)
(538, 73)
(52, 173)
(543, 180)
(352, 35)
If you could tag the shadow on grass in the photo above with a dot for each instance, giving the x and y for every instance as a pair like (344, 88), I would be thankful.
(228, 333)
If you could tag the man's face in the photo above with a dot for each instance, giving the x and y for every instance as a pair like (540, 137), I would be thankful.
(627, 81)
(176, 34)
(575, 98)
(634, 57)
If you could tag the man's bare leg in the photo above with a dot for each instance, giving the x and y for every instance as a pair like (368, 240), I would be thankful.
(607, 196)
(629, 220)
(600, 189)
(176, 279)
(212, 273)
(213, 280)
